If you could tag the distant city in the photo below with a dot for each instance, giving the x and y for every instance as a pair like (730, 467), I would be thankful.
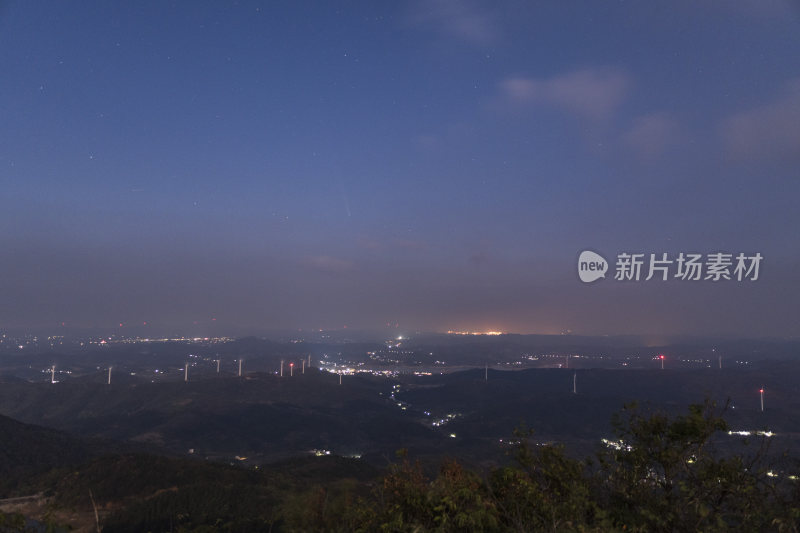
(404, 354)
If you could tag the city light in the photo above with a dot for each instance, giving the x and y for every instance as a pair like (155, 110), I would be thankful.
(452, 332)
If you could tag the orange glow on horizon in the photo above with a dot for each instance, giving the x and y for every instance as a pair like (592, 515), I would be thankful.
(451, 332)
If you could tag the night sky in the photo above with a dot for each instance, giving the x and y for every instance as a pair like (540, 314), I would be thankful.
(435, 164)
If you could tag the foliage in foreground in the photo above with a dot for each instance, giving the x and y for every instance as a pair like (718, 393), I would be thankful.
(662, 474)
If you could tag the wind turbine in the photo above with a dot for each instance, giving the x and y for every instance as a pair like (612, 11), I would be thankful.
(662, 361)
(761, 390)
(218, 366)
(109, 375)
(486, 372)
(281, 367)
(291, 370)
(240, 367)
(304, 367)
(53, 374)
(575, 383)
(186, 372)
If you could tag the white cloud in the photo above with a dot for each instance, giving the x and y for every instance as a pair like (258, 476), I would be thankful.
(427, 141)
(760, 8)
(593, 93)
(650, 135)
(326, 263)
(460, 19)
(771, 130)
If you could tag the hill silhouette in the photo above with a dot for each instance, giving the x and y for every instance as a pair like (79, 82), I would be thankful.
(27, 450)
(260, 417)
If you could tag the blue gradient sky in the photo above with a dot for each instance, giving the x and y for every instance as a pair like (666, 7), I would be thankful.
(439, 164)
